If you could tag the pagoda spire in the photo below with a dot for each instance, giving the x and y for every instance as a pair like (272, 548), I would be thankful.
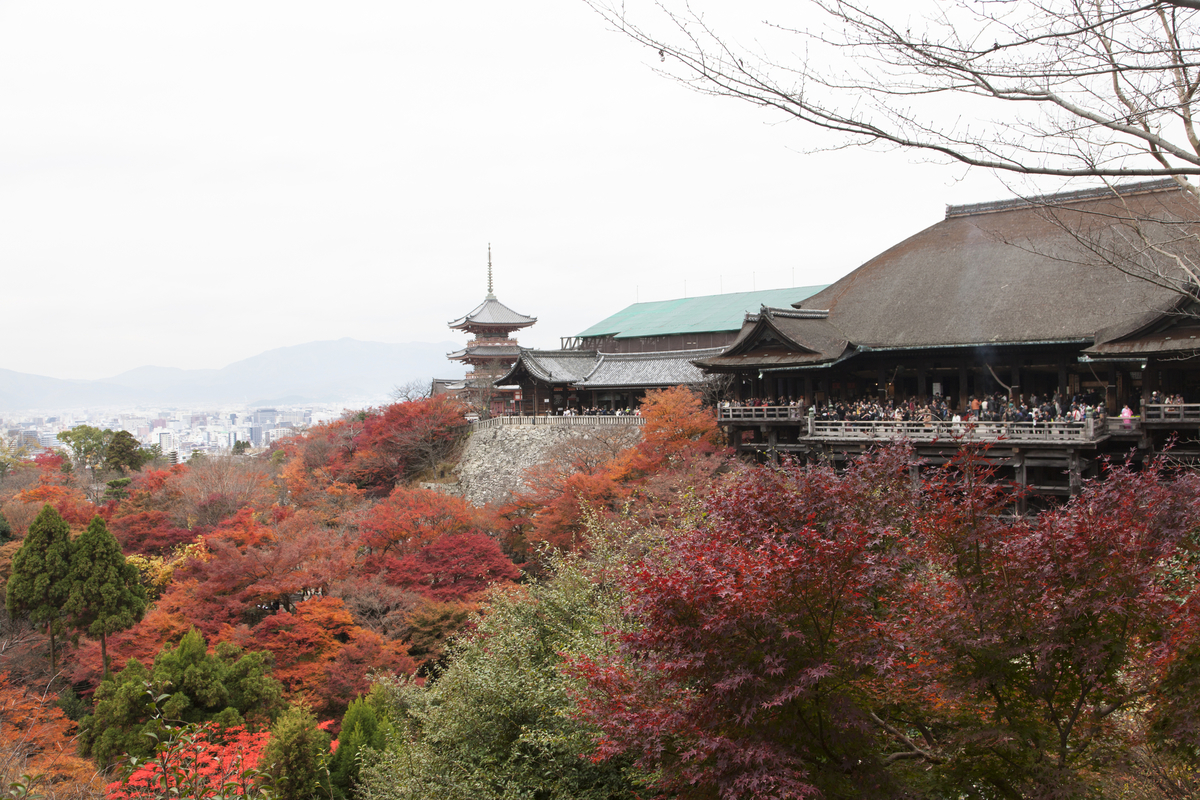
(489, 294)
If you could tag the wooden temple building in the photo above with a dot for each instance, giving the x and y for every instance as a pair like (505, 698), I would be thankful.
(611, 365)
(1082, 297)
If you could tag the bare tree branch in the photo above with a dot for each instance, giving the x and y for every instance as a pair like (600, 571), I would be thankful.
(1064, 88)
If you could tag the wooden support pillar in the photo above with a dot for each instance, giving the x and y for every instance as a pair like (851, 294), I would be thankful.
(1015, 383)
(1021, 476)
(962, 387)
(1075, 472)
(914, 476)
(808, 390)
(772, 442)
(1062, 376)
(922, 385)
(881, 382)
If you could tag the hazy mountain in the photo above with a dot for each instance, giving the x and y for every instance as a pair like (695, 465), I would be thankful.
(342, 370)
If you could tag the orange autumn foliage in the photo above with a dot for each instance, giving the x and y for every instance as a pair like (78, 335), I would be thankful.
(69, 502)
(321, 657)
(36, 739)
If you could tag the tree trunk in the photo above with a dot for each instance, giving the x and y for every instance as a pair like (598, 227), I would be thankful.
(104, 656)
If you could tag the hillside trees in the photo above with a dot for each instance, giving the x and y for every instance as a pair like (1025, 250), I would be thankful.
(850, 636)
(496, 723)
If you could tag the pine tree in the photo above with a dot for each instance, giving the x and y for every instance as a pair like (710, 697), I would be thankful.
(39, 584)
(105, 594)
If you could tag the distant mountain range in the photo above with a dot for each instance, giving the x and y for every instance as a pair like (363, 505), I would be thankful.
(317, 372)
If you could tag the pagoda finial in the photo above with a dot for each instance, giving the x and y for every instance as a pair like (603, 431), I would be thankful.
(489, 294)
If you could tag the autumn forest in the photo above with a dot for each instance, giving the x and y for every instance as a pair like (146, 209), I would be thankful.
(645, 617)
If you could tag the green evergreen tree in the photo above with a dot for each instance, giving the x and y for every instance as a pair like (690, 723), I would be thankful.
(5, 529)
(360, 729)
(40, 580)
(106, 594)
(124, 453)
(187, 685)
(297, 756)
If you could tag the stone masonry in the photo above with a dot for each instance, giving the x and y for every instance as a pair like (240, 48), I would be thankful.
(495, 460)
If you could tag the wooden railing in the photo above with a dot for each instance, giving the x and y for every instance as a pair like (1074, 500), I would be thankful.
(1171, 412)
(938, 430)
(579, 421)
(754, 413)
(916, 431)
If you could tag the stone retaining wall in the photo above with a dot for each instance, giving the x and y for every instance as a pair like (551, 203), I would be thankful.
(495, 461)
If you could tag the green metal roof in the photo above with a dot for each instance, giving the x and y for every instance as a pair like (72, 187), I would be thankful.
(714, 312)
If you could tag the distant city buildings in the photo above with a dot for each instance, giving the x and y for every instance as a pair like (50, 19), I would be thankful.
(183, 431)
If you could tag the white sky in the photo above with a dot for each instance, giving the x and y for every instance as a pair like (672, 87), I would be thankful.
(190, 184)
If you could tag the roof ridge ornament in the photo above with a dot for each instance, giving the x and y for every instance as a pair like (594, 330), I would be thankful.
(490, 296)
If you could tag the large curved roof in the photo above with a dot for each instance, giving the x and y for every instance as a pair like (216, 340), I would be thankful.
(1016, 272)
(1010, 272)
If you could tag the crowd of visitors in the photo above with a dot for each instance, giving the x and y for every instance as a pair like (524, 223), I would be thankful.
(988, 408)
(595, 411)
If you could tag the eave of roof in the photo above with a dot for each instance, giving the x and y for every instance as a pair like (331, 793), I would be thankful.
(643, 370)
(491, 312)
(486, 351)
(553, 366)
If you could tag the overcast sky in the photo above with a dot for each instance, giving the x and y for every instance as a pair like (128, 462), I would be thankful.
(190, 184)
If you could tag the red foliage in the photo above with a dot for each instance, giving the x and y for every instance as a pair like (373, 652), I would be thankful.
(783, 648)
(197, 762)
(677, 423)
(403, 438)
(50, 461)
(453, 567)
(148, 533)
(409, 519)
(757, 632)
(555, 506)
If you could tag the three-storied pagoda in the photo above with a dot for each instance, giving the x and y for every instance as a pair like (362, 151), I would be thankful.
(491, 351)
